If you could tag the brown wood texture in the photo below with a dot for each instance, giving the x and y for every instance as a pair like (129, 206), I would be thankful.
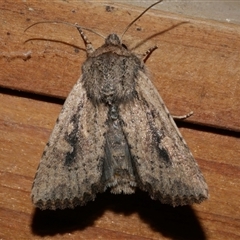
(197, 67)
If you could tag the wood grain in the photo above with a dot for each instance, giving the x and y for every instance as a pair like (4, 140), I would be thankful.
(197, 67)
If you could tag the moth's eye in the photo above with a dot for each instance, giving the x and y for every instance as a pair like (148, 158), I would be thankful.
(123, 45)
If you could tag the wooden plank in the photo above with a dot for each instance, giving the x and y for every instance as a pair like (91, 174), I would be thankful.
(197, 65)
(195, 68)
(25, 125)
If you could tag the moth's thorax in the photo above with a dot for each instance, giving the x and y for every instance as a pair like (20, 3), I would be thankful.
(110, 72)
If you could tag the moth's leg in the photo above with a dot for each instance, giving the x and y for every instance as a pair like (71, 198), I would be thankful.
(147, 54)
(89, 47)
(183, 116)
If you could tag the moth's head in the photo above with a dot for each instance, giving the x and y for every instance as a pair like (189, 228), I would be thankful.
(113, 39)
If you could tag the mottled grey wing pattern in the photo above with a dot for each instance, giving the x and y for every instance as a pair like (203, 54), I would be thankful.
(162, 162)
(71, 166)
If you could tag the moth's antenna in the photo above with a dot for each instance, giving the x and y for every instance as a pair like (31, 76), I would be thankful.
(130, 24)
(70, 24)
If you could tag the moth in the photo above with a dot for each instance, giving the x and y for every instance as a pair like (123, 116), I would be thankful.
(115, 132)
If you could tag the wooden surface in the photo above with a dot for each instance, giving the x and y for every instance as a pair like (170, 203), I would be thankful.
(197, 67)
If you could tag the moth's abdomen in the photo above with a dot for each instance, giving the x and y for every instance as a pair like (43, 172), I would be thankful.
(109, 77)
(118, 173)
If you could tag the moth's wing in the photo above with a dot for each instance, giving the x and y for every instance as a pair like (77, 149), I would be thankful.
(162, 161)
(70, 170)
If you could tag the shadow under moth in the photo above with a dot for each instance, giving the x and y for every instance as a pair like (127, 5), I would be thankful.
(114, 131)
